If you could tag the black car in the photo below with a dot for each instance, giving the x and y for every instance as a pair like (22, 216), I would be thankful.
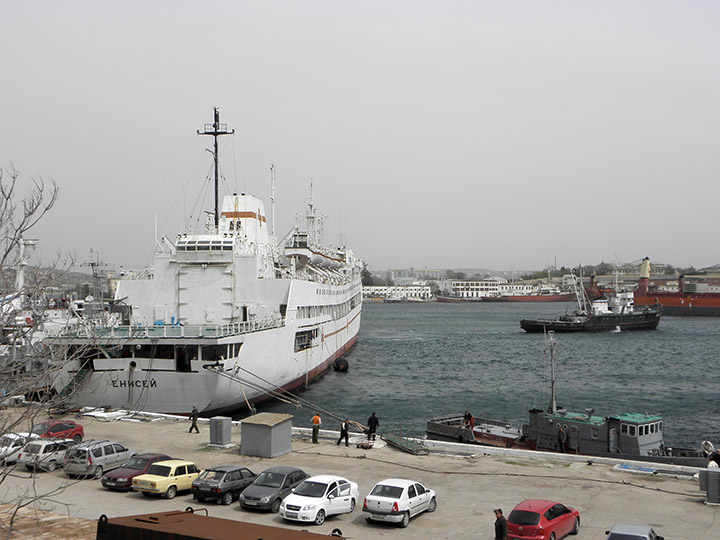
(222, 483)
(271, 487)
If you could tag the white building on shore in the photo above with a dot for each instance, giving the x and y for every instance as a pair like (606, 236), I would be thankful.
(415, 291)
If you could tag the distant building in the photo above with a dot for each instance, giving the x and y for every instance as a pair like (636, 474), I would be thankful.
(398, 292)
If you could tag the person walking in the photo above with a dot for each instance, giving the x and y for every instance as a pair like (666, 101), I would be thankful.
(343, 433)
(193, 416)
(500, 525)
(562, 439)
(316, 428)
(373, 424)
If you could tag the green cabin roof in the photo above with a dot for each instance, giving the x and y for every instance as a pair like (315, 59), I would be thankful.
(638, 418)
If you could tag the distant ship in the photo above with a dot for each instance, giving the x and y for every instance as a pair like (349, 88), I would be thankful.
(617, 312)
(226, 316)
(544, 294)
(685, 302)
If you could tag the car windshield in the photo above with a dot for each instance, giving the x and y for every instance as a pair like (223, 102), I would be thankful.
(269, 479)
(7, 441)
(135, 463)
(39, 429)
(391, 492)
(159, 470)
(33, 448)
(210, 474)
(311, 489)
(523, 517)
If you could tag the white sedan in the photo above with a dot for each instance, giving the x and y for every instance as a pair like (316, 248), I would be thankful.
(397, 500)
(318, 497)
(11, 444)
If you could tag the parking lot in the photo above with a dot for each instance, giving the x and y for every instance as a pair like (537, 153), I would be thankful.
(468, 487)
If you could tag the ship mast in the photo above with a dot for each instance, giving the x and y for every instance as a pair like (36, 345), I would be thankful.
(550, 346)
(216, 129)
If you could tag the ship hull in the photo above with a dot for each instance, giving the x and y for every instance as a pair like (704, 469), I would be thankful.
(683, 305)
(645, 320)
(266, 365)
(531, 298)
(501, 435)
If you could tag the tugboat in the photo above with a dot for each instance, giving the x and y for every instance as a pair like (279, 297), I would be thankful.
(633, 436)
(615, 313)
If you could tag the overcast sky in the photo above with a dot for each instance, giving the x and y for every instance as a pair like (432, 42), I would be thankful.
(502, 135)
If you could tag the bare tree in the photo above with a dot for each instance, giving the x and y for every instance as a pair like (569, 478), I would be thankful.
(28, 363)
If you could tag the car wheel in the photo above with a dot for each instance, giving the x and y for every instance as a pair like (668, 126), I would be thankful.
(276, 506)
(368, 519)
(320, 517)
(432, 505)
(51, 466)
(226, 499)
(552, 536)
(405, 520)
(170, 493)
(352, 505)
(97, 473)
(77, 438)
(576, 526)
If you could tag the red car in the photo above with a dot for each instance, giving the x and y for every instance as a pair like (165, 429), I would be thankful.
(542, 520)
(59, 429)
(121, 479)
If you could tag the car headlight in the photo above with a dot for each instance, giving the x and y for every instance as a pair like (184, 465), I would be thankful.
(122, 479)
(308, 507)
(265, 499)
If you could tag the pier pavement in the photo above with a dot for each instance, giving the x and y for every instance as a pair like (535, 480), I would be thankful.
(468, 486)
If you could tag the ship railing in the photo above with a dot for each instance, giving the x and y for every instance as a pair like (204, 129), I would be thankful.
(139, 331)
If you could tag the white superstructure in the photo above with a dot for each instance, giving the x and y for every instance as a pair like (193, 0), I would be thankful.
(224, 318)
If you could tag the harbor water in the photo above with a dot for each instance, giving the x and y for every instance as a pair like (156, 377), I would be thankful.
(413, 361)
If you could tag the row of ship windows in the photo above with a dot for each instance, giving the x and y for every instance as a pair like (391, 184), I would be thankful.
(204, 245)
(336, 311)
(631, 430)
(645, 429)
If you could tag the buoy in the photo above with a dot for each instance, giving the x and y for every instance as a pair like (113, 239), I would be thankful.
(340, 365)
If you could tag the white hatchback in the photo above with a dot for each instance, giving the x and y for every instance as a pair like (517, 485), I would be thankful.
(397, 500)
(318, 497)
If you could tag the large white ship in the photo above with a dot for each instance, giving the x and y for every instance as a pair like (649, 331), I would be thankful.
(224, 318)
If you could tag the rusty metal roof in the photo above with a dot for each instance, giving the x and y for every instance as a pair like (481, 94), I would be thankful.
(187, 525)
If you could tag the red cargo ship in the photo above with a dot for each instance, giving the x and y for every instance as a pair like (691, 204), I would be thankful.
(676, 303)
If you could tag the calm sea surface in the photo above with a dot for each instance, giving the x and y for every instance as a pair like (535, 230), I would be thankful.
(413, 361)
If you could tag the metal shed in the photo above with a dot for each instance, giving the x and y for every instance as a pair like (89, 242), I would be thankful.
(266, 435)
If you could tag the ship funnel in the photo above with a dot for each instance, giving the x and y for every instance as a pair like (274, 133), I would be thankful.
(645, 268)
(642, 287)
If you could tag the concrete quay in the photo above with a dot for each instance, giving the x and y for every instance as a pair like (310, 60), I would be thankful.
(469, 485)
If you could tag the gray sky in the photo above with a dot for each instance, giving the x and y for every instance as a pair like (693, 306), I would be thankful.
(438, 134)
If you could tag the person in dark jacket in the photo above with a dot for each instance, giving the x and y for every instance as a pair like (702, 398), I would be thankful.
(343, 432)
(373, 424)
(193, 416)
(500, 525)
